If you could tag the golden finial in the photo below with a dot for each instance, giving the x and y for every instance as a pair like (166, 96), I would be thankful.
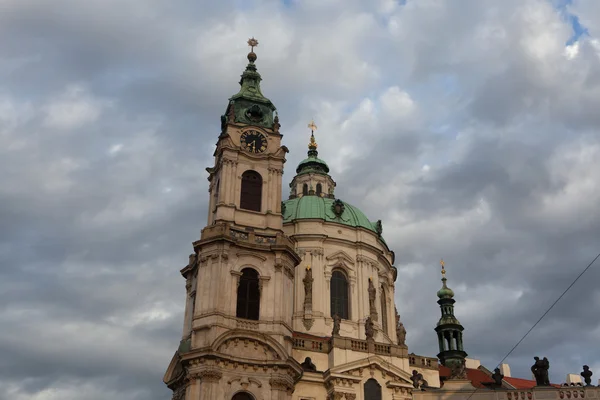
(308, 267)
(312, 144)
(443, 269)
(252, 43)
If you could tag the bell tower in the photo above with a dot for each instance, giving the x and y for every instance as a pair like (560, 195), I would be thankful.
(449, 331)
(237, 331)
(245, 182)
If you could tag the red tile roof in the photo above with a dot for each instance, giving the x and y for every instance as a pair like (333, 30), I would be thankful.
(476, 376)
(519, 383)
(479, 379)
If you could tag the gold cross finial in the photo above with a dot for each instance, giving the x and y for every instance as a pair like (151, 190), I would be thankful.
(252, 43)
(312, 126)
(443, 270)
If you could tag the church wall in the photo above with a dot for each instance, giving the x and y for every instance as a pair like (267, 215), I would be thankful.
(339, 250)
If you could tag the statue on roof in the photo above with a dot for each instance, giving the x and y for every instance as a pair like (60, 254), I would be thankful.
(587, 375)
(417, 379)
(308, 365)
(497, 377)
(400, 330)
(540, 371)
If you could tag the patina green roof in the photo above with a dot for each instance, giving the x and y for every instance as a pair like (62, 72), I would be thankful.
(312, 163)
(316, 207)
(249, 105)
(445, 292)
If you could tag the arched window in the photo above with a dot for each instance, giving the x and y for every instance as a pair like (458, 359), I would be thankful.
(248, 295)
(242, 396)
(251, 197)
(319, 189)
(372, 390)
(339, 295)
(304, 189)
(384, 321)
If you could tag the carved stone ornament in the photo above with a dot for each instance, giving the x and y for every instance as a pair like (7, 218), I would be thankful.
(210, 375)
(338, 207)
(281, 384)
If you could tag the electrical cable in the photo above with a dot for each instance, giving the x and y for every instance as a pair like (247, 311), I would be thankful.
(542, 317)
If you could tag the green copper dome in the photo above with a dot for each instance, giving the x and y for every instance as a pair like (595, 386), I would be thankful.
(316, 207)
(312, 163)
(445, 292)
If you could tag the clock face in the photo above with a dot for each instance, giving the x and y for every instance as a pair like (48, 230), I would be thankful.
(254, 142)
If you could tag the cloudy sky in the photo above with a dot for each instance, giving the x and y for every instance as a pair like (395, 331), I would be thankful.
(470, 127)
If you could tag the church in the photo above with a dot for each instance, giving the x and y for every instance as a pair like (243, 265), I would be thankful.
(293, 299)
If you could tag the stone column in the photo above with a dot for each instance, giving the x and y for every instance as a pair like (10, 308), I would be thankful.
(281, 388)
(209, 384)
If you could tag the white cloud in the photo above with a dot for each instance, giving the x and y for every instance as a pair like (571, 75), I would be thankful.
(73, 108)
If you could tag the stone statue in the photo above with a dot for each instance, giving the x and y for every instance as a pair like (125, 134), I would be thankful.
(231, 113)
(276, 124)
(540, 371)
(400, 330)
(308, 282)
(308, 365)
(223, 123)
(193, 260)
(417, 379)
(336, 325)
(497, 377)
(369, 328)
(587, 375)
(372, 294)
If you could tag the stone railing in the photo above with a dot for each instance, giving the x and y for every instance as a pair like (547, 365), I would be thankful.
(422, 362)
(325, 345)
(320, 345)
(240, 235)
(553, 393)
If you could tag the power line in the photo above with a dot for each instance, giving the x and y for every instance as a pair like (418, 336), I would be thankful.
(542, 317)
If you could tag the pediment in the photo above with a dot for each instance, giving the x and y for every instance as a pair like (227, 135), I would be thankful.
(397, 377)
(175, 370)
(248, 349)
(225, 141)
(341, 256)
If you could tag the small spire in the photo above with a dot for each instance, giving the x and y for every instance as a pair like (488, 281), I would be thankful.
(445, 291)
(312, 145)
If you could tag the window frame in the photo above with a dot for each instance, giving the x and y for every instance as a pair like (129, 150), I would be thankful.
(337, 294)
